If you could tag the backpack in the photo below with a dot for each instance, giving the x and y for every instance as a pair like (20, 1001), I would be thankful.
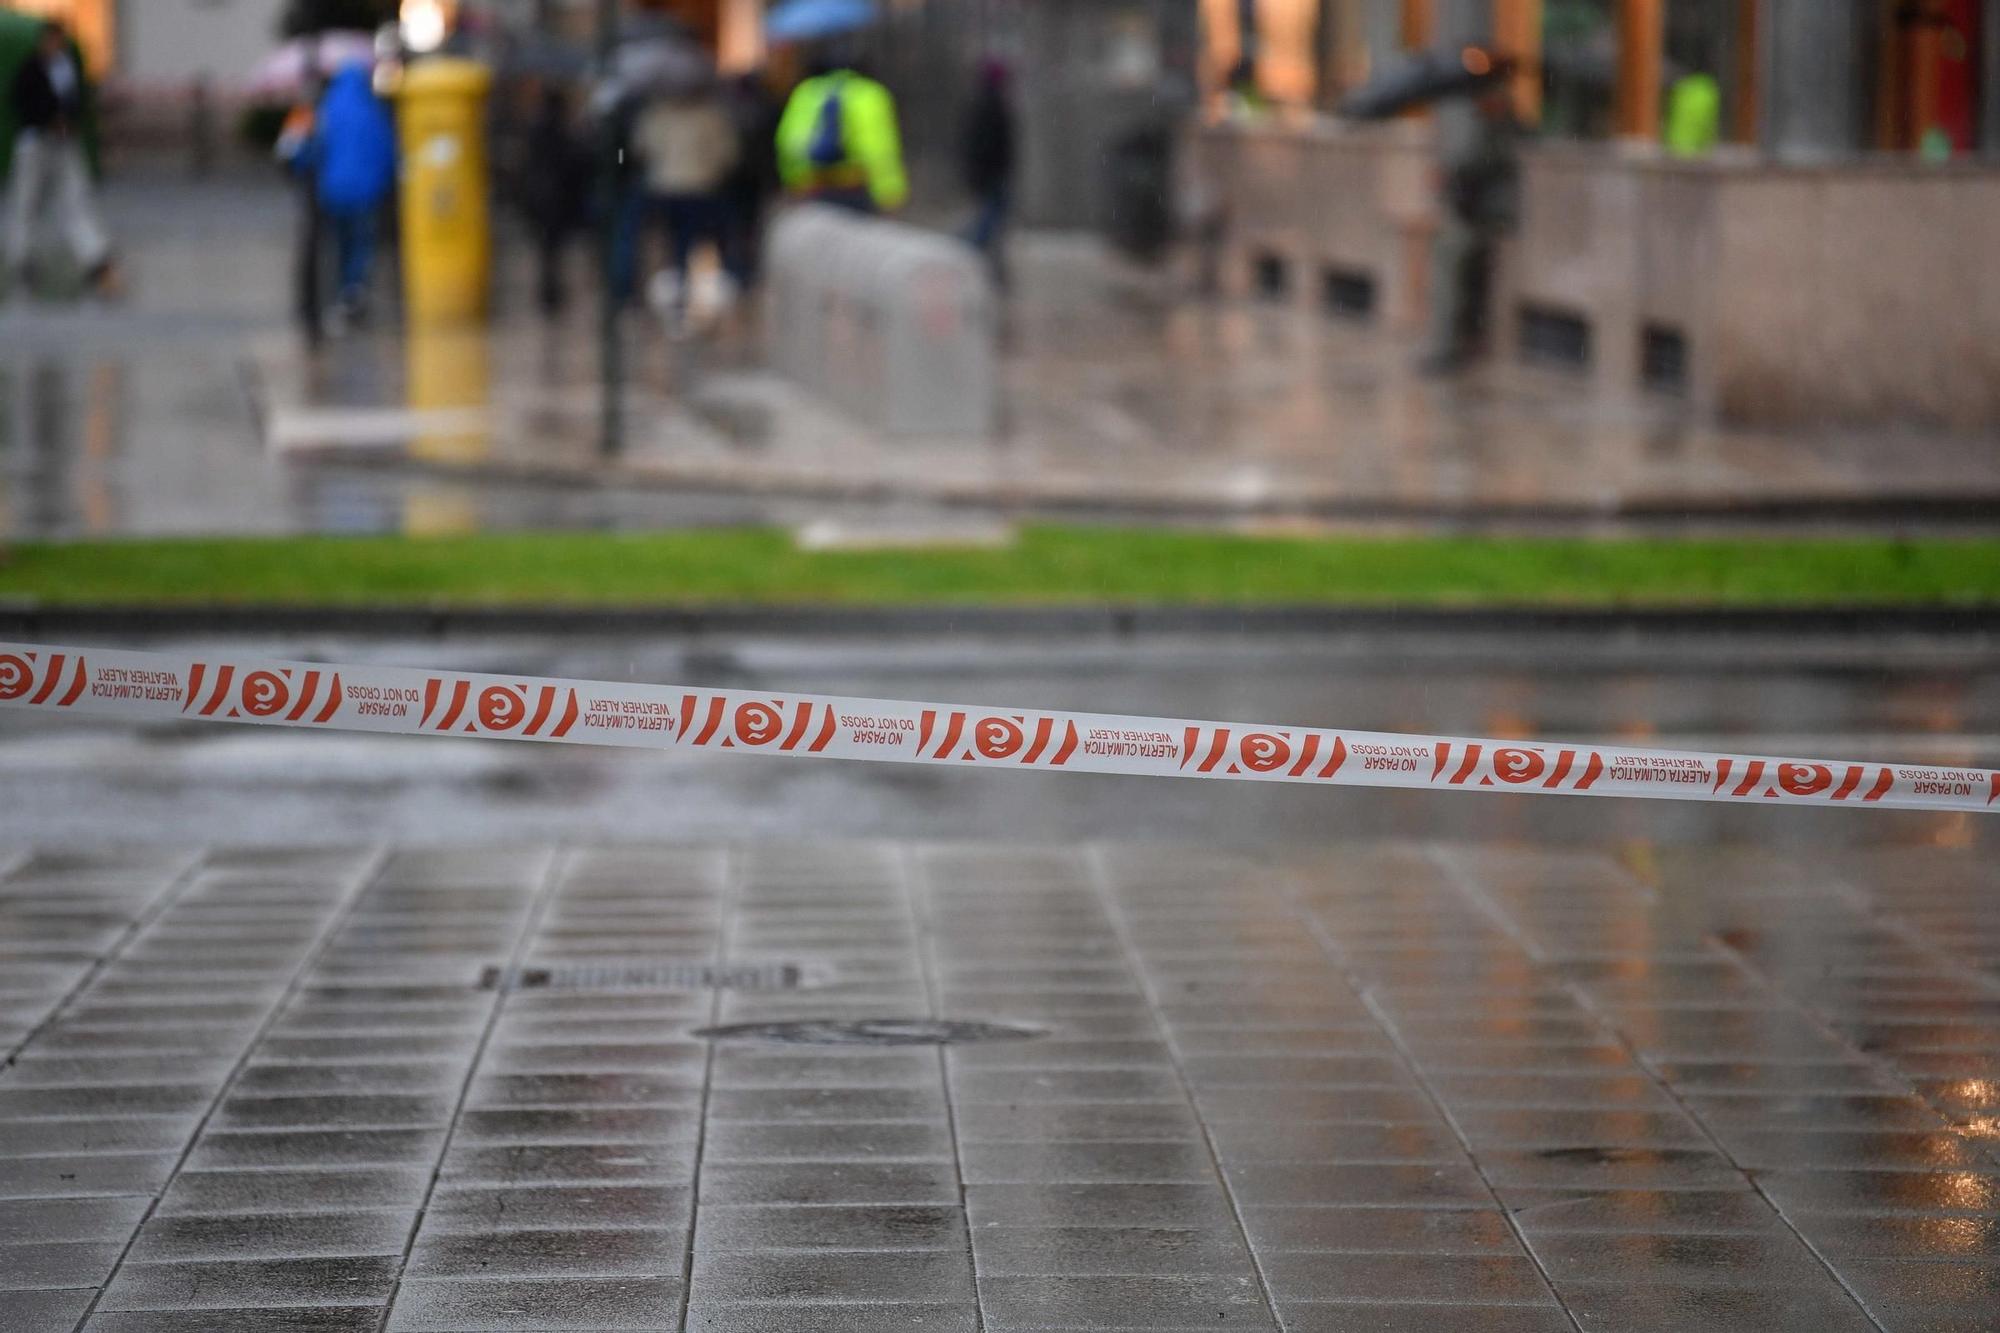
(828, 146)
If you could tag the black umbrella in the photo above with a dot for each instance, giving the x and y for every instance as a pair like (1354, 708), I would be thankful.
(1429, 76)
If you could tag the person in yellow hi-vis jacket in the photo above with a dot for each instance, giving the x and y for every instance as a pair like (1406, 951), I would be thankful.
(838, 142)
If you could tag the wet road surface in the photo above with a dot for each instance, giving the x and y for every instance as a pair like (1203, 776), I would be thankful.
(192, 407)
(331, 1033)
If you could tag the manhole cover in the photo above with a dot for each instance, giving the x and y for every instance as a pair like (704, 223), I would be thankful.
(870, 1032)
(645, 977)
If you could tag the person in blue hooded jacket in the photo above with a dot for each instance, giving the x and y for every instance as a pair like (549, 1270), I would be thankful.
(351, 155)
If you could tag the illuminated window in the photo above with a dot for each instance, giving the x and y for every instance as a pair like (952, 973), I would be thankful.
(91, 22)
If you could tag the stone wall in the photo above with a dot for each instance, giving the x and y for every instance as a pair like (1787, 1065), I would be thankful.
(1860, 293)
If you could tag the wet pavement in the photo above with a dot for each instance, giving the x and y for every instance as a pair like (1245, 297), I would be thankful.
(1369, 1084)
(341, 1033)
(192, 407)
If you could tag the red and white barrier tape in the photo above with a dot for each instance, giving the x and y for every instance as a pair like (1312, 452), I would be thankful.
(402, 701)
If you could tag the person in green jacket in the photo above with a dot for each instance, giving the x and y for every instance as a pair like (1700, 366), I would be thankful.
(1694, 115)
(838, 141)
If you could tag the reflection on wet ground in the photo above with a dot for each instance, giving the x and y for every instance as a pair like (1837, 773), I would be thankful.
(193, 407)
(1369, 1083)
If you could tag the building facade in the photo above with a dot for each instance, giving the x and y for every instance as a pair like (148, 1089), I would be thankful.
(1823, 262)
(164, 46)
(1804, 77)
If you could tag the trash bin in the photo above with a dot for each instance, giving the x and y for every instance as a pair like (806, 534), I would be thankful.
(447, 227)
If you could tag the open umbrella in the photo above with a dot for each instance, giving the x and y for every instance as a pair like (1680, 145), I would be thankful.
(1428, 76)
(810, 20)
(281, 75)
(668, 67)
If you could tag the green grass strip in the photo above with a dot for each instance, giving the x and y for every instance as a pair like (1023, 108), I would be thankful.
(1051, 565)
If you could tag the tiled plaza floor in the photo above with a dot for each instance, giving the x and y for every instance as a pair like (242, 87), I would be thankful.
(1368, 1086)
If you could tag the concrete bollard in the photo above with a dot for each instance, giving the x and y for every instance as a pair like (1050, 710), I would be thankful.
(894, 326)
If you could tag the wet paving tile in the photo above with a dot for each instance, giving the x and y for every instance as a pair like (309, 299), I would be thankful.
(1678, 1259)
(455, 1208)
(1405, 1317)
(1127, 1302)
(832, 1275)
(1107, 1251)
(1647, 1211)
(1216, 1128)
(1342, 1228)
(518, 1305)
(49, 1265)
(1965, 1193)
(1931, 1293)
(54, 1177)
(272, 1236)
(30, 1221)
(1613, 1308)
(565, 1252)
(854, 1228)
(1844, 1236)
(282, 1192)
(44, 1311)
(346, 1280)
(811, 1317)
(1479, 1279)
(268, 1319)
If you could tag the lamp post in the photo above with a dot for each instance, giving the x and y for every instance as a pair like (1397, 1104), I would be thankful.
(611, 415)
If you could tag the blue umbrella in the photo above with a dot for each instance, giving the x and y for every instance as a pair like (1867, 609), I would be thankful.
(810, 20)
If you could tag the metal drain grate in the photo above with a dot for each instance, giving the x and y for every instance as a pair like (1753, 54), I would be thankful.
(645, 977)
(870, 1032)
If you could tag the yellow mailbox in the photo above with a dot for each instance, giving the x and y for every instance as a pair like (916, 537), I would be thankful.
(447, 230)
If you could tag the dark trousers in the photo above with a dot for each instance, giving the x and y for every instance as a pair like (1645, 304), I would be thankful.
(691, 220)
(354, 239)
(688, 219)
(988, 232)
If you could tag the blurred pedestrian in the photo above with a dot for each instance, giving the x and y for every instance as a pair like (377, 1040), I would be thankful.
(352, 158)
(555, 192)
(295, 137)
(987, 150)
(687, 148)
(1479, 172)
(1693, 123)
(838, 140)
(51, 170)
(753, 180)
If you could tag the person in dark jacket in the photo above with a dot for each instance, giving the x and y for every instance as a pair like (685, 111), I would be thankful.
(555, 192)
(1479, 174)
(753, 181)
(51, 170)
(352, 158)
(988, 154)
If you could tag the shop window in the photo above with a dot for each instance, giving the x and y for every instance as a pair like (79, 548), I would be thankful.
(1348, 292)
(1663, 358)
(1551, 336)
(1928, 82)
(1271, 274)
(1707, 39)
